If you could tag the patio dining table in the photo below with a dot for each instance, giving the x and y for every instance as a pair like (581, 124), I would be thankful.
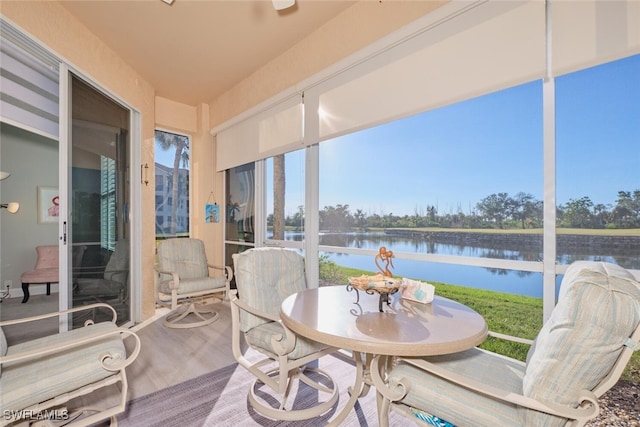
(337, 316)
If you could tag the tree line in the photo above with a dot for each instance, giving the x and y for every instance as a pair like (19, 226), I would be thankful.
(498, 211)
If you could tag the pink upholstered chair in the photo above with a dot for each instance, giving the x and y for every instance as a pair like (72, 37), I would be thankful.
(45, 271)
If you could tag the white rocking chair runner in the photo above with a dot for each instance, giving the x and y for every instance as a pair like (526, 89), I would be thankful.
(264, 278)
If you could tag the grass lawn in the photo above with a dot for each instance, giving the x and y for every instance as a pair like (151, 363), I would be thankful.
(509, 314)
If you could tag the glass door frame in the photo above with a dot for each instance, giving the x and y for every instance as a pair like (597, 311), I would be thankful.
(64, 183)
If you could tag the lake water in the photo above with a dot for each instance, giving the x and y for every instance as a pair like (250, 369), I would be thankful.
(514, 282)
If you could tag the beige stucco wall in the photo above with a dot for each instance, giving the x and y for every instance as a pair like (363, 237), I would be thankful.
(50, 24)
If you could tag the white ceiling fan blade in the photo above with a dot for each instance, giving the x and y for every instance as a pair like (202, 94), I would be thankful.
(283, 4)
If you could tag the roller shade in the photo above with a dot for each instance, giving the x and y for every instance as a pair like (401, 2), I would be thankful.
(460, 51)
(28, 84)
(589, 33)
(480, 49)
(274, 130)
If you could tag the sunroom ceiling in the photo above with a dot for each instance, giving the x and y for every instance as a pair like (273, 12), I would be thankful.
(193, 51)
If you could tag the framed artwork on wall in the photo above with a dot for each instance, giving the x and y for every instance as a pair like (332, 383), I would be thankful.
(48, 205)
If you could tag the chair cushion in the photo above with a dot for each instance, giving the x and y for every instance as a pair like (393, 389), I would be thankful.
(260, 337)
(278, 271)
(99, 287)
(187, 257)
(43, 275)
(598, 309)
(441, 398)
(24, 384)
(193, 285)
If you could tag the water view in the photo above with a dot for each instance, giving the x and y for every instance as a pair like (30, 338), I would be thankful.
(514, 282)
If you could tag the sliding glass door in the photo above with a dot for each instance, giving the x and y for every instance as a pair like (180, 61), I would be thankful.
(68, 147)
(99, 198)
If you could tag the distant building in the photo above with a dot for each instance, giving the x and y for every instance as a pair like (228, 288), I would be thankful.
(164, 201)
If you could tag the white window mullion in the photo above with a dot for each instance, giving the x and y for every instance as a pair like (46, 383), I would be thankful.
(549, 176)
(260, 223)
(549, 199)
(311, 222)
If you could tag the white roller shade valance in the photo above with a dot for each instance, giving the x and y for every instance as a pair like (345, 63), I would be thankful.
(462, 50)
(477, 50)
(28, 84)
(275, 130)
(589, 33)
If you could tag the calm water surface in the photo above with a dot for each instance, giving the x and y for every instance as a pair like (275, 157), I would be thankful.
(514, 282)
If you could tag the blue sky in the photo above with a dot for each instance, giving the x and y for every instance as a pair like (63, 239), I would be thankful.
(598, 131)
(449, 157)
(455, 156)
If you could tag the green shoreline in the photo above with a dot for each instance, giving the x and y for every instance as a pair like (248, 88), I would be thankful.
(564, 231)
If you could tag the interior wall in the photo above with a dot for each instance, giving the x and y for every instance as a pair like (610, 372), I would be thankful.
(32, 161)
(206, 188)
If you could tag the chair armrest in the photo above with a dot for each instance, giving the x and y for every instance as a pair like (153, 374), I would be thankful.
(175, 278)
(582, 413)
(79, 342)
(277, 341)
(510, 338)
(228, 272)
(109, 275)
(245, 307)
(60, 313)
(94, 272)
(90, 268)
(175, 281)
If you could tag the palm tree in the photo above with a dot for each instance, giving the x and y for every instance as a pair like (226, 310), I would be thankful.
(167, 141)
(278, 196)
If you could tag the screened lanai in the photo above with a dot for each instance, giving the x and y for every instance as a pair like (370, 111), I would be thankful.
(492, 121)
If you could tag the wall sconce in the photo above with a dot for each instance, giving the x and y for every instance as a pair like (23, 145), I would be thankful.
(11, 207)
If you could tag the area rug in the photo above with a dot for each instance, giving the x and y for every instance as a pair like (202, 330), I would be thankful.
(219, 398)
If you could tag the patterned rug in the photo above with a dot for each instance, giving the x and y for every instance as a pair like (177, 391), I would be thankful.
(219, 398)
